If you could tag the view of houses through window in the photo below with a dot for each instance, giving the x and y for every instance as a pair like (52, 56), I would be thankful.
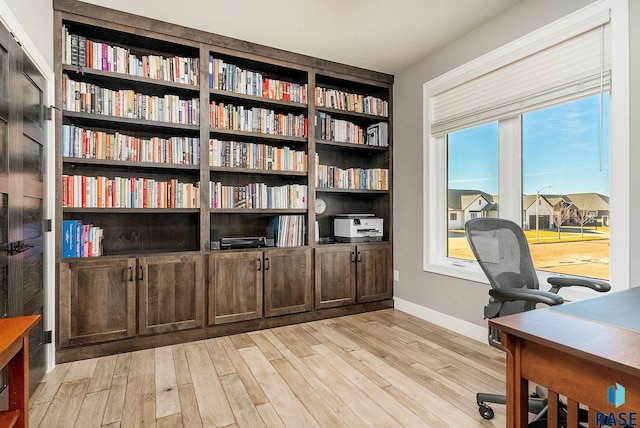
(565, 185)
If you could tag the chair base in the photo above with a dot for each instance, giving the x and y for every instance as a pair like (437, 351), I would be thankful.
(537, 404)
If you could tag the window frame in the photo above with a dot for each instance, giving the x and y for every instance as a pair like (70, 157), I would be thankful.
(509, 155)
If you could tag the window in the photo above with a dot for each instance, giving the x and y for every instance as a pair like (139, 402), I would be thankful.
(565, 184)
(549, 144)
(472, 171)
(565, 168)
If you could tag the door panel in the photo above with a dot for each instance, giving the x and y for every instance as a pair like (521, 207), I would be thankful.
(235, 286)
(22, 141)
(6, 44)
(335, 276)
(31, 166)
(171, 293)
(97, 300)
(288, 280)
(375, 279)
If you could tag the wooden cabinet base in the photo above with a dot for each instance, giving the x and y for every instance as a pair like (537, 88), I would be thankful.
(145, 342)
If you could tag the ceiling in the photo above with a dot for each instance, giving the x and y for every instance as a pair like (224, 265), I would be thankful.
(381, 35)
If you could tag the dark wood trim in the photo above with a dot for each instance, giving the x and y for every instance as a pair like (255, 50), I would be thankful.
(145, 342)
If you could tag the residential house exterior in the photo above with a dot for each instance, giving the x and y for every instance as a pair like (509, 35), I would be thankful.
(595, 204)
(464, 205)
(467, 204)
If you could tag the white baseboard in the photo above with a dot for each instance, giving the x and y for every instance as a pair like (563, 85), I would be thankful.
(454, 324)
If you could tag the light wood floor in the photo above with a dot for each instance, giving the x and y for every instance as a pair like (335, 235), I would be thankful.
(379, 369)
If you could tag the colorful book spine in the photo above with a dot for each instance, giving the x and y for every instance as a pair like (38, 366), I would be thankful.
(81, 240)
(83, 52)
(257, 196)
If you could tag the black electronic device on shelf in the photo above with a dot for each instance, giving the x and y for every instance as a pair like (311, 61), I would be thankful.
(243, 242)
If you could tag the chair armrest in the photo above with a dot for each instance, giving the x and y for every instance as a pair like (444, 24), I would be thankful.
(525, 294)
(568, 281)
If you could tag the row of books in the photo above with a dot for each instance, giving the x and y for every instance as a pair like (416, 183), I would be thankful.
(378, 134)
(233, 154)
(230, 77)
(80, 191)
(83, 52)
(81, 240)
(78, 142)
(289, 230)
(257, 196)
(334, 98)
(352, 178)
(330, 129)
(89, 98)
(255, 119)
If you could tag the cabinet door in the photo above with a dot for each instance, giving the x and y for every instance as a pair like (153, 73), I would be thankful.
(97, 301)
(287, 281)
(171, 291)
(375, 280)
(335, 276)
(235, 286)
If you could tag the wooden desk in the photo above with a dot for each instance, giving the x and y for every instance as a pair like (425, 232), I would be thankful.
(572, 356)
(14, 354)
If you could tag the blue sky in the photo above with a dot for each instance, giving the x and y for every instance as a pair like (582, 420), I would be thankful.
(561, 149)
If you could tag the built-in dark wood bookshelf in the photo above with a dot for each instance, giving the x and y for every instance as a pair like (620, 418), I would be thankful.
(219, 142)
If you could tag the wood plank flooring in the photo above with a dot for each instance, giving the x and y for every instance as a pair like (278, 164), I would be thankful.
(378, 369)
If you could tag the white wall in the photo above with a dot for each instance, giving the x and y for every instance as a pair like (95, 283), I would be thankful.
(36, 18)
(442, 297)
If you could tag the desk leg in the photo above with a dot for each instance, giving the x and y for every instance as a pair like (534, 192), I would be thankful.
(18, 383)
(517, 388)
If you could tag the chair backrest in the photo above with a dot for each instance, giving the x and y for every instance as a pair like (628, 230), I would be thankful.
(501, 249)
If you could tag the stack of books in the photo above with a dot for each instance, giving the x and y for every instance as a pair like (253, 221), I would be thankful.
(289, 230)
(81, 240)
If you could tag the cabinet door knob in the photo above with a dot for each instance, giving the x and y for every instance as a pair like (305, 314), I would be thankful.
(259, 264)
(141, 273)
(130, 274)
(266, 263)
(359, 256)
(353, 256)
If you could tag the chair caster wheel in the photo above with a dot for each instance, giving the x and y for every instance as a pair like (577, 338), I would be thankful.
(485, 411)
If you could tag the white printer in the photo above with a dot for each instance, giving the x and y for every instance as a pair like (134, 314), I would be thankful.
(357, 228)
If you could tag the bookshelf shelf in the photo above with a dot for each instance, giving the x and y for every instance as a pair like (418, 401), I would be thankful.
(232, 133)
(105, 211)
(270, 211)
(272, 166)
(131, 165)
(353, 115)
(357, 191)
(123, 123)
(337, 145)
(257, 171)
(233, 97)
(89, 74)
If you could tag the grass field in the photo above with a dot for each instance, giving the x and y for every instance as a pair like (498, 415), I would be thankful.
(573, 254)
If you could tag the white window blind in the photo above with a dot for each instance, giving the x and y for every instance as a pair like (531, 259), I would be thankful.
(573, 68)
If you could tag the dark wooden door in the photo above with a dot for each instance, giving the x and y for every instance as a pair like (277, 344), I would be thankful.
(97, 300)
(235, 286)
(23, 138)
(375, 279)
(171, 293)
(335, 276)
(288, 280)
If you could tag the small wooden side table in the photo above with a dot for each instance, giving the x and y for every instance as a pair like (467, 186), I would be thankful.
(14, 354)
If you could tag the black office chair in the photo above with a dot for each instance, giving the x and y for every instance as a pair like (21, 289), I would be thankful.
(501, 249)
